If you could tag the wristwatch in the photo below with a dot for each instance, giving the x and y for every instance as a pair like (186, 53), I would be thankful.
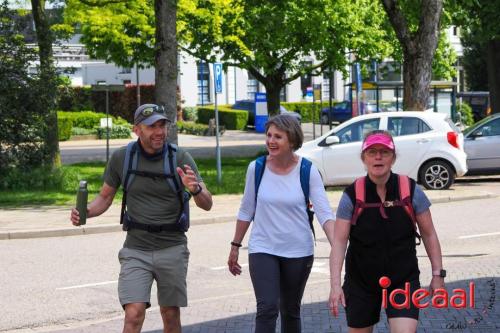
(440, 273)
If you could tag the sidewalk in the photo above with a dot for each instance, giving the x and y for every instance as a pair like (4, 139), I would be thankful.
(54, 221)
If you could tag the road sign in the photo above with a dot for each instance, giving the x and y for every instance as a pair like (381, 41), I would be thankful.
(218, 77)
(108, 87)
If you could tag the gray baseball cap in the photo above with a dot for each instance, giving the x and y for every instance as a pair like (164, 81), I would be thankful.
(148, 114)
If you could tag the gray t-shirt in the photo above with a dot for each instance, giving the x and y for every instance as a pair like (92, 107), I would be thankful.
(150, 200)
(420, 204)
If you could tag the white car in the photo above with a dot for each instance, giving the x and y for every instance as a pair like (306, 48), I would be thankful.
(429, 148)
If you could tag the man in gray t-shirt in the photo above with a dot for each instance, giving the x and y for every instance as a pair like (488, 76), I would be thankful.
(155, 249)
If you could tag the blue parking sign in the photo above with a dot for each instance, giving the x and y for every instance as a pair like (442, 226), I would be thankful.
(218, 77)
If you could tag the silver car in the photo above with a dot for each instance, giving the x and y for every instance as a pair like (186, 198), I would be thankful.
(482, 146)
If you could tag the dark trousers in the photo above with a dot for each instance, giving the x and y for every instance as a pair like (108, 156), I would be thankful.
(278, 283)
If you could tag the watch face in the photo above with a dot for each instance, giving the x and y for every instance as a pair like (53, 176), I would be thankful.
(442, 273)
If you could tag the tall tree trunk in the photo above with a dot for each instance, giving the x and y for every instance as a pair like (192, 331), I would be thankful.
(494, 74)
(273, 99)
(166, 61)
(47, 72)
(418, 49)
(417, 75)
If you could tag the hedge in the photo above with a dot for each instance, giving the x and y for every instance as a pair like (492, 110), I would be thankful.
(116, 132)
(64, 125)
(89, 119)
(306, 109)
(229, 118)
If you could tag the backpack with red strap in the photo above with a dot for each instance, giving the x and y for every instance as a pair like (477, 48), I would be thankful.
(404, 201)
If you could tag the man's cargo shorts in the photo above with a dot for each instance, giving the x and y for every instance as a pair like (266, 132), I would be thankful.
(139, 268)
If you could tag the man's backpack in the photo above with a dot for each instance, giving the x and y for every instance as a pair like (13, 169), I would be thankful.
(305, 172)
(404, 201)
(130, 170)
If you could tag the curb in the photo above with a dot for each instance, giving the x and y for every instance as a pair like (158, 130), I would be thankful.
(90, 230)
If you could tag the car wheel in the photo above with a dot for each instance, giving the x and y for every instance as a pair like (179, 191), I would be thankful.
(436, 175)
(324, 119)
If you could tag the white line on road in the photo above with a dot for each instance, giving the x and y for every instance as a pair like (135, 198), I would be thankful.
(218, 268)
(88, 285)
(480, 235)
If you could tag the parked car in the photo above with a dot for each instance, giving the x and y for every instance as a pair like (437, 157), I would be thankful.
(482, 145)
(429, 148)
(342, 111)
(249, 105)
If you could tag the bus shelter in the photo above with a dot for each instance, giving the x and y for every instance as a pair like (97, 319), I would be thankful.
(388, 96)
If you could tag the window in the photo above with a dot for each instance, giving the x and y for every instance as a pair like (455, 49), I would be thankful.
(252, 86)
(326, 86)
(203, 83)
(398, 126)
(124, 70)
(357, 131)
(306, 80)
(283, 94)
(490, 129)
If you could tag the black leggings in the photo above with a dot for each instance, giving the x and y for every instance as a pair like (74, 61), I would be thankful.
(278, 282)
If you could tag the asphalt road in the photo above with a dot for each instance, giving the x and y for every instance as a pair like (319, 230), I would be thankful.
(69, 283)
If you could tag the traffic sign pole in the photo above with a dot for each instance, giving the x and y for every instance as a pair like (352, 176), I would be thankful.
(217, 90)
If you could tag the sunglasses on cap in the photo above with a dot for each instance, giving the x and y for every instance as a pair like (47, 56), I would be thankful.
(148, 111)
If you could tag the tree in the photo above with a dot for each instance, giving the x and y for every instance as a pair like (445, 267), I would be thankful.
(271, 39)
(48, 75)
(417, 28)
(23, 103)
(475, 60)
(480, 20)
(128, 33)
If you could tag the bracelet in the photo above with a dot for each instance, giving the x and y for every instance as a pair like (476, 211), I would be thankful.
(198, 191)
(236, 244)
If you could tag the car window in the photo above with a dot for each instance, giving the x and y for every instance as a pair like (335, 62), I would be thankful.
(398, 126)
(357, 131)
(491, 128)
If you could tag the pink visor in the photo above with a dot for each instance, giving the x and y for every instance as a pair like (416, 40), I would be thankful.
(378, 139)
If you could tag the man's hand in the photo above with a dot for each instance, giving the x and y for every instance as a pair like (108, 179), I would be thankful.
(188, 178)
(75, 217)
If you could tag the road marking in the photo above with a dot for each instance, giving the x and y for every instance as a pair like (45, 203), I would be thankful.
(88, 285)
(218, 268)
(480, 235)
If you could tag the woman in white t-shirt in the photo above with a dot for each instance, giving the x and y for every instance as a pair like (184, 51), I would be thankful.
(281, 244)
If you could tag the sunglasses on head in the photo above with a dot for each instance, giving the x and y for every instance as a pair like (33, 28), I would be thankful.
(148, 111)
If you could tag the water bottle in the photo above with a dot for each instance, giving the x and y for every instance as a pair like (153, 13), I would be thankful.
(81, 201)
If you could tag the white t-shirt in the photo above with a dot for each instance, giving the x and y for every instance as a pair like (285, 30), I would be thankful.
(280, 222)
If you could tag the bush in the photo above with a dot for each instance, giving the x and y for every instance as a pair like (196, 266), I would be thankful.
(42, 178)
(115, 132)
(64, 125)
(191, 128)
(466, 114)
(229, 118)
(89, 119)
(306, 109)
(190, 113)
(83, 131)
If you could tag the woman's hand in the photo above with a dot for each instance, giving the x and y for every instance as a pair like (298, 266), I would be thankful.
(336, 298)
(232, 261)
(437, 282)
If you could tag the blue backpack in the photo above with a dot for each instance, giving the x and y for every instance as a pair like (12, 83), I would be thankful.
(305, 172)
(169, 174)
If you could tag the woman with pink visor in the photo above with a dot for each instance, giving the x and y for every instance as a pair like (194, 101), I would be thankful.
(381, 216)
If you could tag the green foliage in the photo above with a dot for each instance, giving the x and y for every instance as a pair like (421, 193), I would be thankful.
(122, 32)
(246, 34)
(89, 119)
(231, 119)
(76, 131)
(74, 98)
(188, 127)
(24, 101)
(64, 125)
(466, 114)
(116, 132)
(306, 109)
(190, 113)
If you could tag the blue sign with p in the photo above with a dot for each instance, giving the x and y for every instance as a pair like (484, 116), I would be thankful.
(218, 77)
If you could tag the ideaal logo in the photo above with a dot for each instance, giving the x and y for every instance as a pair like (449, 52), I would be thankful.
(439, 299)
